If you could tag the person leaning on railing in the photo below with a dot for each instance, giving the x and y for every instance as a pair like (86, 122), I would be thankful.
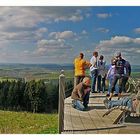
(80, 66)
(80, 95)
(119, 74)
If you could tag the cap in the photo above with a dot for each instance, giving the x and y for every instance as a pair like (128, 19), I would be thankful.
(86, 81)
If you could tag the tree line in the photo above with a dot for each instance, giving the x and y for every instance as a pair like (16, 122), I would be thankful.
(32, 96)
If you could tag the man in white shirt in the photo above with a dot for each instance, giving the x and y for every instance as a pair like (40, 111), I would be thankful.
(94, 70)
(101, 74)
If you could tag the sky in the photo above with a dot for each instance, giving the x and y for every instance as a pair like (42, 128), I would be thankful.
(58, 34)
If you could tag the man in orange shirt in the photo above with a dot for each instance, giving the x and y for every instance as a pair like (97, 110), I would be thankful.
(80, 65)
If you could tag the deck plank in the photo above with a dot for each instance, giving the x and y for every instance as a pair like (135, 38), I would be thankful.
(91, 121)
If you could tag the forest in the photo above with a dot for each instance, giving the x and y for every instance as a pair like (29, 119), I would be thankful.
(32, 96)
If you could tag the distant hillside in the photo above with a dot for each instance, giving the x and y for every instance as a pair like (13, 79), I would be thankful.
(135, 68)
(27, 66)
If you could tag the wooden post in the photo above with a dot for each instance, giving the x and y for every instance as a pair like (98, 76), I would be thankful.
(61, 102)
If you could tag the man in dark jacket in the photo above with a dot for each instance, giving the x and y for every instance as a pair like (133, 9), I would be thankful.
(119, 74)
(80, 95)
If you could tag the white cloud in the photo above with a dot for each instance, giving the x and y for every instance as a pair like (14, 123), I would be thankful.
(23, 35)
(29, 17)
(62, 35)
(104, 15)
(41, 31)
(88, 15)
(103, 30)
(137, 30)
(49, 46)
(130, 47)
(118, 40)
(84, 32)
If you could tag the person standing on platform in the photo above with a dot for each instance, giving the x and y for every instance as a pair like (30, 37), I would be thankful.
(94, 71)
(101, 74)
(110, 78)
(119, 74)
(80, 66)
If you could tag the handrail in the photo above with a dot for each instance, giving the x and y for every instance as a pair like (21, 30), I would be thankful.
(61, 102)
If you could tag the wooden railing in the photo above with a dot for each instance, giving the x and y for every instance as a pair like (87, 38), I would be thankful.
(61, 102)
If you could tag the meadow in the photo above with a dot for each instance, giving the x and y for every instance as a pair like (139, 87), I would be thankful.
(28, 123)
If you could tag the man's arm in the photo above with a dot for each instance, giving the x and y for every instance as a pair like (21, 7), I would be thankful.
(108, 73)
(88, 64)
(80, 94)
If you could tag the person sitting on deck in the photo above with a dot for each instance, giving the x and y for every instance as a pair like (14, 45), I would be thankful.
(132, 102)
(80, 95)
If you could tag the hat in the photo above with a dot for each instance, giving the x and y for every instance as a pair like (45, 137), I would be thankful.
(86, 81)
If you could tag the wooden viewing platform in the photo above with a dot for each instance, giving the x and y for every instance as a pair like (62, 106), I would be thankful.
(91, 121)
(73, 121)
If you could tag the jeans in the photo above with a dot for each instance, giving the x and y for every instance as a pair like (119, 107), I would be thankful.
(122, 102)
(94, 75)
(101, 84)
(110, 85)
(77, 80)
(115, 80)
(81, 105)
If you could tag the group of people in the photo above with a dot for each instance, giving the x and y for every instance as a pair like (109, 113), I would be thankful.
(117, 74)
(97, 71)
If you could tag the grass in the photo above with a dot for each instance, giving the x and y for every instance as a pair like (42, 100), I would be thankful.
(7, 78)
(28, 123)
(135, 74)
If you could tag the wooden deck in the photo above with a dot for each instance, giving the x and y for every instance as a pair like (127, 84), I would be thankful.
(91, 121)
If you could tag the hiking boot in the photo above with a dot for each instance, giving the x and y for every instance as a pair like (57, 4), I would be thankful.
(106, 101)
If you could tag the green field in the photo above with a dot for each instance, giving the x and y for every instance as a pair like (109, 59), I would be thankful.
(135, 74)
(27, 123)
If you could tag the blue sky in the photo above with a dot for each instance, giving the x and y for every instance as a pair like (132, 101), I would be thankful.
(58, 34)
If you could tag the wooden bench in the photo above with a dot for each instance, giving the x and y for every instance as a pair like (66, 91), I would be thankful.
(125, 112)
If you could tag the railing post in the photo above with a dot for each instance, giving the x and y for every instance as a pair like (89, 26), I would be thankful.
(61, 102)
